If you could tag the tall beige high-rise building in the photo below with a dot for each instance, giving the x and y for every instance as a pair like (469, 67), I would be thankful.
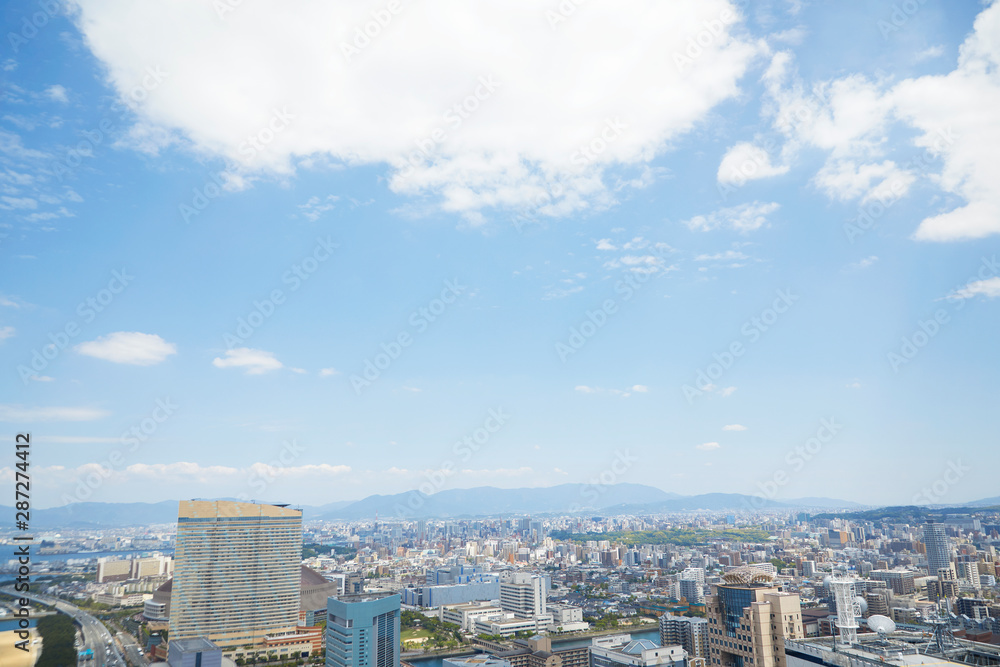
(749, 619)
(236, 572)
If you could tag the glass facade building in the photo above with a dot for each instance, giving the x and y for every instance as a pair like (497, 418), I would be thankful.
(363, 632)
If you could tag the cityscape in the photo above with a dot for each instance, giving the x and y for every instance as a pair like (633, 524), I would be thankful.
(532, 333)
(243, 583)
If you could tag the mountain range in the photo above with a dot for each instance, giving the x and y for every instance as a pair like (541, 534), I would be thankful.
(483, 501)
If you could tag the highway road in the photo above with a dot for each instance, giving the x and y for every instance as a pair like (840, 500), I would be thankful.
(95, 634)
(132, 650)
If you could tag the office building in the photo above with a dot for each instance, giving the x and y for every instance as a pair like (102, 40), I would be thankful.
(566, 618)
(878, 603)
(537, 652)
(691, 590)
(689, 632)
(524, 595)
(363, 632)
(749, 620)
(113, 569)
(436, 596)
(236, 572)
(466, 615)
(975, 608)
(899, 581)
(938, 546)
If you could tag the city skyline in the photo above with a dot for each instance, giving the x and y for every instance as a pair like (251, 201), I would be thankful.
(704, 246)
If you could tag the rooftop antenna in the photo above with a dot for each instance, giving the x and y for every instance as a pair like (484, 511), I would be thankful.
(848, 608)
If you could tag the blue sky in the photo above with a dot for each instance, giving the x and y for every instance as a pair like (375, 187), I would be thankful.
(808, 185)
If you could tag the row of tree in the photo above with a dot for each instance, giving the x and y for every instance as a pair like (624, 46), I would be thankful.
(58, 634)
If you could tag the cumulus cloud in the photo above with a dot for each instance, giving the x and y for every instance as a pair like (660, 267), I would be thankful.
(851, 118)
(255, 362)
(442, 100)
(845, 180)
(6, 332)
(990, 288)
(949, 111)
(128, 347)
(708, 446)
(743, 218)
(746, 162)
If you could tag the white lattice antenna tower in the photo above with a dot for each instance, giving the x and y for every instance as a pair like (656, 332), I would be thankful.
(848, 608)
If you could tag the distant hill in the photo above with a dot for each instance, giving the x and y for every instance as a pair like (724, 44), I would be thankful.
(563, 499)
(452, 503)
(914, 514)
(491, 501)
(102, 515)
(107, 515)
(985, 502)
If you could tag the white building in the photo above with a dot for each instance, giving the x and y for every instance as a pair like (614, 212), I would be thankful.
(466, 615)
(638, 653)
(524, 595)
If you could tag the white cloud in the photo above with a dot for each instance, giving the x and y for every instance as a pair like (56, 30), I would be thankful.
(605, 244)
(949, 110)
(727, 391)
(990, 288)
(254, 361)
(18, 413)
(729, 255)
(545, 118)
(846, 180)
(643, 263)
(930, 53)
(746, 162)
(734, 427)
(743, 218)
(866, 262)
(640, 388)
(185, 472)
(57, 93)
(315, 207)
(6, 332)
(327, 372)
(846, 116)
(851, 118)
(128, 347)
(585, 389)
(708, 446)
(18, 203)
